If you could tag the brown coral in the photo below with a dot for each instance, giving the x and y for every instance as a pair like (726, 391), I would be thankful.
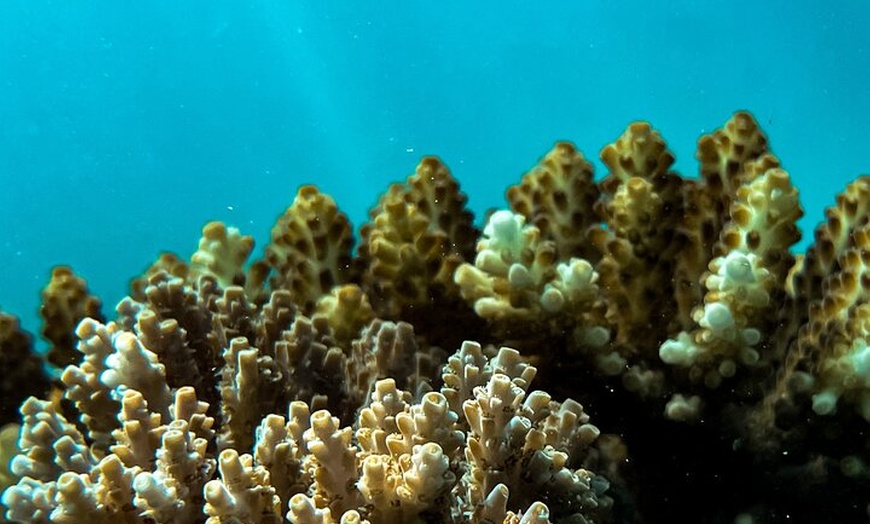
(23, 375)
(310, 251)
(557, 196)
(419, 233)
(65, 301)
(666, 304)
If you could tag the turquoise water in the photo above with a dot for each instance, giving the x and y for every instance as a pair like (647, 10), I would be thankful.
(125, 126)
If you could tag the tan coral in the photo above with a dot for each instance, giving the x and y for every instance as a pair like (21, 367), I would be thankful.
(400, 478)
(724, 153)
(557, 196)
(639, 152)
(763, 217)
(419, 233)
(728, 159)
(377, 420)
(332, 462)
(640, 209)
(310, 367)
(507, 446)
(346, 310)
(275, 315)
(635, 288)
(303, 511)
(744, 286)
(23, 374)
(704, 264)
(49, 444)
(832, 238)
(234, 316)
(822, 326)
(256, 380)
(170, 493)
(65, 302)
(113, 489)
(240, 394)
(221, 254)
(243, 493)
(280, 450)
(310, 249)
(8, 450)
(131, 366)
(140, 433)
(389, 350)
(469, 368)
(84, 388)
(838, 334)
(172, 298)
(168, 340)
(168, 263)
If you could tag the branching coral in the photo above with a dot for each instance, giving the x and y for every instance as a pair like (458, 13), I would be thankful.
(65, 301)
(404, 460)
(23, 374)
(319, 386)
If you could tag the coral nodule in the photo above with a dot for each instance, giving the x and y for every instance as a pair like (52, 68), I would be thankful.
(641, 348)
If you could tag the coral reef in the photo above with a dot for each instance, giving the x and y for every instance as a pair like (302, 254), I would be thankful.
(727, 377)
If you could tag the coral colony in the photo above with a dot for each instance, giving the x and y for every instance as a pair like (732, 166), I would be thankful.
(645, 348)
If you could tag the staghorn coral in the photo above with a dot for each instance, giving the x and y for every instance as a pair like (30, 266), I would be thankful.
(315, 386)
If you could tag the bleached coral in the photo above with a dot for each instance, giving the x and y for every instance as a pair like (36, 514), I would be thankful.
(518, 283)
(740, 284)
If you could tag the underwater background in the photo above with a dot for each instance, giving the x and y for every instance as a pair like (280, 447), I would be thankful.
(126, 126)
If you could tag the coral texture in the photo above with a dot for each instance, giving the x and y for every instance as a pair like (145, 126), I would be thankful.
(728, 378)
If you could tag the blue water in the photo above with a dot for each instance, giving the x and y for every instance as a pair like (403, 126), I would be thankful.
(125, 126)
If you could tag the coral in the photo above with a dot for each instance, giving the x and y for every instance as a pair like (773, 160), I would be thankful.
(23, 373)
(221, 255)
(242, 494)
(824, 368)
(739, 302)
(8, 449)
(346, 310)
(310, 251)
(420, 231)
(728, 377)
(65, 301)
(558, 197)
(640, 211)
(402, 461)
(418, 234)
(519, 285)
